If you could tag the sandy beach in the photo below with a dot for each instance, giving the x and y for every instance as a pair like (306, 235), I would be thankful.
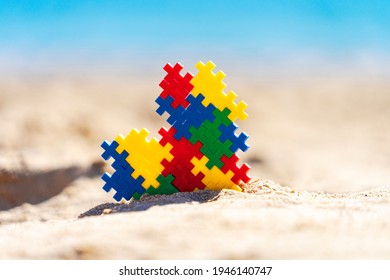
(320, 159)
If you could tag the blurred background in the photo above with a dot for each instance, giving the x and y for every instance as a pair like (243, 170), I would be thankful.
(314, 73)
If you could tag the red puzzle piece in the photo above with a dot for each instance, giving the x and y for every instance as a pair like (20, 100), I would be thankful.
(185, 180)
(182, 148)
(176, 85)
(240, 173)
(180, 166)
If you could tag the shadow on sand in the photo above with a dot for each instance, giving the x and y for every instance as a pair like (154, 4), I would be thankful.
(148, 201)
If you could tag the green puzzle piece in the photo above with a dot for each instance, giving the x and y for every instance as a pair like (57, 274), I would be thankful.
(165, 187)
(221, 117)
(208, 134)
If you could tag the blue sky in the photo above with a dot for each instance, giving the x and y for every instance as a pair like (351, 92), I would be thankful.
(153, 28)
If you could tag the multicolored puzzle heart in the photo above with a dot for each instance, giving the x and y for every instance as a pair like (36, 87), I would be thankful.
(197, 152)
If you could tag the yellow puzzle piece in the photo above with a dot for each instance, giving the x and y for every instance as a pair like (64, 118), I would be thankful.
(211, 86)
(145, 156)
(214, 178)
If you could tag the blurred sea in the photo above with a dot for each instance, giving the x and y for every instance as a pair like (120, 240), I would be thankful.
(111, 37)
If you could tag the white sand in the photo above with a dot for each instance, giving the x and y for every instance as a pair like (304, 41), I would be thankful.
(328, 139)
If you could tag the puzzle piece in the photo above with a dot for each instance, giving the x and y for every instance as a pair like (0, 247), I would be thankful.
(181, 149)
(183, 119)
(165, 105)
(180, 166)
(123, 183)
(184, 179)
(194, 116)
(214, 178)
(208, 83)
(209, 135)
(176, 85)
(238, 142)
(211, 86)
(121, 180)
(240, 173)
(165, 187)
(145, 156)
(110, 152)
(210, 130)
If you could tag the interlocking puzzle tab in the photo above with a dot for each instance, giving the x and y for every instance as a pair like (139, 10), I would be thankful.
(197, 152)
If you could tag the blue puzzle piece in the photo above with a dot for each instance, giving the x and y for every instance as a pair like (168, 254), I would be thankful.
(197, 113)
(110, 152)
(165, 105)
(123, 183)
(238, 142)
(193, 116)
